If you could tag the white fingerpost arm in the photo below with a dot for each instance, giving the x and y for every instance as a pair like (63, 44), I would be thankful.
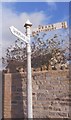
(19, 34)
(50, 27)
(29, 76)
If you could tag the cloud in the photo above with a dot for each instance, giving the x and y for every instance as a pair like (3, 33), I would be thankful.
(10, 18)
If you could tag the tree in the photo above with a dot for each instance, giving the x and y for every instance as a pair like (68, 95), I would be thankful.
(43, 52)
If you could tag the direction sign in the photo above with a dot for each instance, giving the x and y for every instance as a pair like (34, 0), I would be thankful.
(19, 34)
(49, 27)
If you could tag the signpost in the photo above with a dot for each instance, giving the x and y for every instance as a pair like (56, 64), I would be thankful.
(29, 76)
(26, 39)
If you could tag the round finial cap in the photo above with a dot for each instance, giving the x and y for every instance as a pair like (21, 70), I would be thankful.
(28, 23)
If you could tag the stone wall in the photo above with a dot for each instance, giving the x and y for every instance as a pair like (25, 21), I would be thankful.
(51, 95)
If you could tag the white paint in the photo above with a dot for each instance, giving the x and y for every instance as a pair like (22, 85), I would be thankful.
(19, 34)
(29, 75)
(50, 27)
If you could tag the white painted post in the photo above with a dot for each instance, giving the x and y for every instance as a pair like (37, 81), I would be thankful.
(29, 76)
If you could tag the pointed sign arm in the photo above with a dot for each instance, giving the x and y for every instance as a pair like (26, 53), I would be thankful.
(19, 34)
(49, 27)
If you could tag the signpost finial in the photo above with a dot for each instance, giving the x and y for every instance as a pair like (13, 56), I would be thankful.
(28, 23)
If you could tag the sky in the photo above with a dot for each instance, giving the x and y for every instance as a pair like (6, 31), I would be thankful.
(39, 13)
